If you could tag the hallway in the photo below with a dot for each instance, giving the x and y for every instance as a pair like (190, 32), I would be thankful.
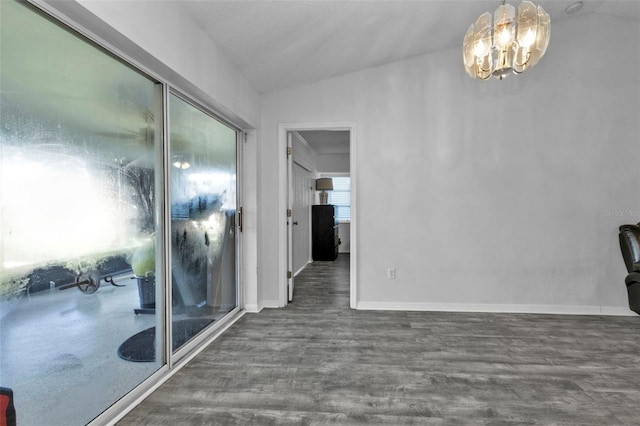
(318, 362)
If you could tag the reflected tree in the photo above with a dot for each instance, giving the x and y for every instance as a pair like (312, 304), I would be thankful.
(141, 180)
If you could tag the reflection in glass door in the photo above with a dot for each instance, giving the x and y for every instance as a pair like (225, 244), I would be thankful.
(80, 138)
(203, 211)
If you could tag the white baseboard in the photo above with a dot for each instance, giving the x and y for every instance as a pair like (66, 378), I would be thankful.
(295, 274)
(617, 311)
(270, 304)
(497, 308)
(252, 308)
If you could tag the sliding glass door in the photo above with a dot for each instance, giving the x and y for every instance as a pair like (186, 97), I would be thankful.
(118, 239)
(80, 136)
(203, 212)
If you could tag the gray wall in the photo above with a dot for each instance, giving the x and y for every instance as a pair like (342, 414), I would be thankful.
(510, 192)
(333, 163)
(500, 193)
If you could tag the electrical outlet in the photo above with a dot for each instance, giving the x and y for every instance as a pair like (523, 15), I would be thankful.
(391, 273)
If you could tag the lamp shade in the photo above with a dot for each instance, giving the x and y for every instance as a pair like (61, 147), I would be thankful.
(324, 184)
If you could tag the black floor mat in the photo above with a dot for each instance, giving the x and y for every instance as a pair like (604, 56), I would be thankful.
(141, 346)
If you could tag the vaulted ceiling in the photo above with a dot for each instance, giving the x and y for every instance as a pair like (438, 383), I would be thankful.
(284, 43)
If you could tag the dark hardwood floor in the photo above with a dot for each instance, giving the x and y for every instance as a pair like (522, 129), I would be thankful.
(318, 362)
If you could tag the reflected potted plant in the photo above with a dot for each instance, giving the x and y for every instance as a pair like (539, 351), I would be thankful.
(143, 263)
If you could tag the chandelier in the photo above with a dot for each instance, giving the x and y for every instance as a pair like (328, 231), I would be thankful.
(511, 43)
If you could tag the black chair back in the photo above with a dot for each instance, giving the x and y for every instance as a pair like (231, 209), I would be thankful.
(630, 246)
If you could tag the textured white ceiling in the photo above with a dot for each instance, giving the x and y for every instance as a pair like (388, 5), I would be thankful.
(284, 43)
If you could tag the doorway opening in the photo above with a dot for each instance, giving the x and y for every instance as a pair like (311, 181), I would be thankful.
(314, 150)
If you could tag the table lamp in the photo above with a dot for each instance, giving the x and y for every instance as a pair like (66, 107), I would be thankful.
(324, 184)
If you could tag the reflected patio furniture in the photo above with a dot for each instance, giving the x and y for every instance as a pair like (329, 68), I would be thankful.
(89, 276)
(89, 283)
(201, 267)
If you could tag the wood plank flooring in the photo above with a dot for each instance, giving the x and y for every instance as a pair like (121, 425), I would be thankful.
(318, 362)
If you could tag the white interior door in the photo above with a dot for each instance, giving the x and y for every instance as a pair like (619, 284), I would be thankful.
(302, 201)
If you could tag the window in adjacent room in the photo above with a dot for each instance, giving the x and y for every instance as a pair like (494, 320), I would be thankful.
(341, 197)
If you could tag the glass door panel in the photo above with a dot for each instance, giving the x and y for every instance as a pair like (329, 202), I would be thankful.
(203, 207)
(80, 137)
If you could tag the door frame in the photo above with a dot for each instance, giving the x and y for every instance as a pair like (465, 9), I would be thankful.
(289, 195)
(283, 183)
